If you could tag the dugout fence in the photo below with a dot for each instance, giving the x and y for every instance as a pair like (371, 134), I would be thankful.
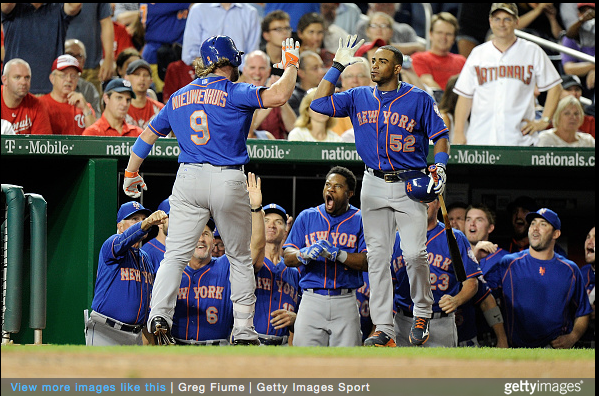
(18, 208)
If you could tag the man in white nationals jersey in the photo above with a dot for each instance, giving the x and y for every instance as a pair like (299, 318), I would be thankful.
(497, 85)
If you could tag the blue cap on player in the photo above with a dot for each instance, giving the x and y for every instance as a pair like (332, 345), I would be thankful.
(165, 206)
(129, 209)
(546, 214)
(274, 208)
(216, 233)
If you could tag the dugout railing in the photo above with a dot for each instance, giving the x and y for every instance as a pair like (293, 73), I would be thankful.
(18, 208)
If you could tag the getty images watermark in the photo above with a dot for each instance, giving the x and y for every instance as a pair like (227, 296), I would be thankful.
(543, 387)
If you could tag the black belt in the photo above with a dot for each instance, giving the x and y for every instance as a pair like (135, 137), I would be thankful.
(436, 315)
(331, 292)
(199, 343)
(395, 176)
(234, 167)
(124, 326)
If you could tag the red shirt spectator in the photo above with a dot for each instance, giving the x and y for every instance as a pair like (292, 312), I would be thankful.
(178, 75)
(142, 109)
(68, 110)
(440, 67)
(117, 98)
(142, 116)
(25, 112)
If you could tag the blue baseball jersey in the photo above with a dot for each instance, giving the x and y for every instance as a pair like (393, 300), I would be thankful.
(344, 231)
(363, 296)
(155, 250)
(486, 263)
(541, 298)
(124, 279)
(204, 310)
(588, 277)
(277, 287)
(392, 128)
(443, 280)
(208, 116)
(465, 316)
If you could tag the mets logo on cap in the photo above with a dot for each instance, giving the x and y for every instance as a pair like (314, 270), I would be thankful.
(136, 205)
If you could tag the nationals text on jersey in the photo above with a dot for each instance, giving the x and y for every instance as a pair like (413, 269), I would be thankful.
(200, 96)
(488, 74)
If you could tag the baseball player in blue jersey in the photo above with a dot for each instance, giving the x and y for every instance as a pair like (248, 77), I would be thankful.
(211, 118)
(393, 123)
(544, 301)
(204, 312)
(277, 286)
(447, 293)
(363, 296)
(327, 243)
(155, 247)
(124, 281)
(479, 224)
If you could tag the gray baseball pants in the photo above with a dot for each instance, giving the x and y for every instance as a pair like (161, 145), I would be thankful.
(199, 191)
(385, 209)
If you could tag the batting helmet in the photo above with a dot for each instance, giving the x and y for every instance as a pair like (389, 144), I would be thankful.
(216, 48)
(416, 189)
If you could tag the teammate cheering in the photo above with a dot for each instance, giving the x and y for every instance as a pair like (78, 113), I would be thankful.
(393, 123)
(211, 118)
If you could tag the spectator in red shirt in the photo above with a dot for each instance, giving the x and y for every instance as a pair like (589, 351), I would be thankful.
(142, 109)
(117, 99)
(68, 110)
(178, 74)
(437, 65)
(24, 111)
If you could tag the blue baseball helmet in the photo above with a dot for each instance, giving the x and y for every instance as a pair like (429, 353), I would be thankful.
(216, 48)
(416, 189)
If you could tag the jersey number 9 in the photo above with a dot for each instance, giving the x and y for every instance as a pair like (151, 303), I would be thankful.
(198, 121)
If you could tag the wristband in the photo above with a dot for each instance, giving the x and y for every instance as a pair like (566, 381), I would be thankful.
(141, 148)
(342, 256)
(333, 74)
(441, 158)
(493, 316)
(258, 209)
(131, 174)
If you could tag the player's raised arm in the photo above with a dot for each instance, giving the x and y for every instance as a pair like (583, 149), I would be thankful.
(133, 182)
(343, 58)
(258, 241)
(279, 93)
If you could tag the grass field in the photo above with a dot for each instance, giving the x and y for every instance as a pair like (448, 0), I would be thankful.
(248, 362)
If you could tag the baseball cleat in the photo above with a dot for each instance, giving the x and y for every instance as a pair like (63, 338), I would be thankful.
(255, 342)
(379, 339)
(159, 327)
(419, 331)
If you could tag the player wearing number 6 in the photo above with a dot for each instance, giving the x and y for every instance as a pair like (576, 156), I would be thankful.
(211, 118)
(393, 123)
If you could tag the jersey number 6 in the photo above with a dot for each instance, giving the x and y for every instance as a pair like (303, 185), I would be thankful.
(198, 121)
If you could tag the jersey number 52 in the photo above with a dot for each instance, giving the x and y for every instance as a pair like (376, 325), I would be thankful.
(396, 144)
(198, 121)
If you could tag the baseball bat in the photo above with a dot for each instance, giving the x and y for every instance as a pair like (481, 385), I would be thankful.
(454, 250)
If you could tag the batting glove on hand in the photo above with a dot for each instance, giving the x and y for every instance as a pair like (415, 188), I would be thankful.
(309, 253)
(347, 49)
(133, 184)
(290, 54)
(328, 250)
(439, 187)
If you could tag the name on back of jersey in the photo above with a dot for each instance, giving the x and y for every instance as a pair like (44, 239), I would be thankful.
(209, 96)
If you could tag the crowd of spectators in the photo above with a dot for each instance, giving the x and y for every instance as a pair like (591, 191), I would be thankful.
(105, 39)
